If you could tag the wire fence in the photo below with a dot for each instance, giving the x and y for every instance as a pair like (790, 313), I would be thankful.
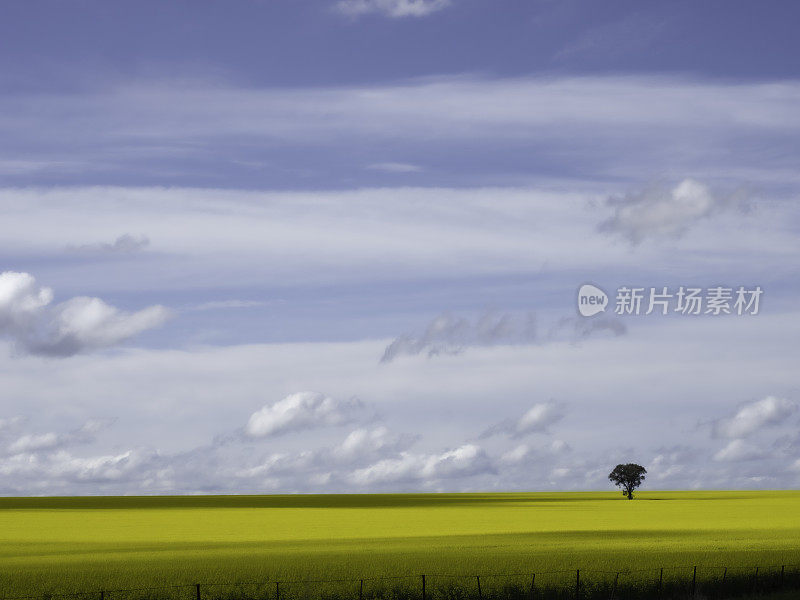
(694, 581)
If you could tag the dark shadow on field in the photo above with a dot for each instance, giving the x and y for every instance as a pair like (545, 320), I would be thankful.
(538, 543)
(325, 500)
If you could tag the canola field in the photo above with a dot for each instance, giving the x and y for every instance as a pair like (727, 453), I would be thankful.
(239, 546)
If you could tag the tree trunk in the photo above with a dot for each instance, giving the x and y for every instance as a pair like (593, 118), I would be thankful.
(630, 494)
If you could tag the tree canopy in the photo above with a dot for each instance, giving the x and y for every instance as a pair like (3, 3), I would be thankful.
(628, 477)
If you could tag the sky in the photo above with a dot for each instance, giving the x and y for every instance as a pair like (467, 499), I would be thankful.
(337, 245)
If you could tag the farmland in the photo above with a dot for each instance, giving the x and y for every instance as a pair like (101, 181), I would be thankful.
(73, 544)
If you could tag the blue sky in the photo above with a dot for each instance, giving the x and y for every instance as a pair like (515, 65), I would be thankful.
(335, 245)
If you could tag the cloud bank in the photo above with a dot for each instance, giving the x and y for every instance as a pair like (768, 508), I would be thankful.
(367, 458)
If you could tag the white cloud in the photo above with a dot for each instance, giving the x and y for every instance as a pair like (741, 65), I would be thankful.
(21, 300)
(465, 461)
(84, 323)
(671, 462)
(34, 442)
(285, 464)
(369, 442)
(391, 8)
(302, 410)
(539, 417)
(40, 442)
(76, 325)
(517, 454)
(535, 420)
(659, 212)
(63, 472)
(738, 451)
(525, 453)
(754, 416)
(99, 469)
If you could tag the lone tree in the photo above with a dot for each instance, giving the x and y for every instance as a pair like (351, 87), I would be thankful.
(628, 477)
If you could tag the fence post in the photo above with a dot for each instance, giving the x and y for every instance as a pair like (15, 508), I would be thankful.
(694, 581)
(533, 583)
(102, 595)
(783, 568)
(423, 587)
(277, 590)
(755, 579)
(614, 589)
(660, 580)
(360, 589)
(197, 588)
(724, 575)
(478, 577)
(577, 583)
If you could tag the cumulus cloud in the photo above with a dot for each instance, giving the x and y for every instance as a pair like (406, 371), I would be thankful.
(84, 323)
(77, 325)
(449, 334)
(326, 468)
(44, 463)
(124, 244)
(49, 473)
(21, 301)
(535, 420)
(391, 8)
(753, 416)
(464, 461)
(113, 467)
(301, 411)
(661, 212)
